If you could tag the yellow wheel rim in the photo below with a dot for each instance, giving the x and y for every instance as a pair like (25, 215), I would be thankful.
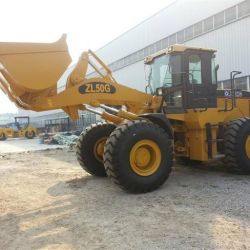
(145, 157)
(247, 146)
(99, 148)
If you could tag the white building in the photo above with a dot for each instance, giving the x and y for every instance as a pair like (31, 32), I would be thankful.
(220, 24)
(223, 25)
(7, 118)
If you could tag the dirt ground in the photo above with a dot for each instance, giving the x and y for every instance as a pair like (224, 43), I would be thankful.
(48, 202)
(14, 145)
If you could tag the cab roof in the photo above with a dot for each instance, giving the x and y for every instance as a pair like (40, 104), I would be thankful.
(173, 49)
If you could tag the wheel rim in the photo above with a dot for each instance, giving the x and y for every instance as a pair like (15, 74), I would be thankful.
(145, 157)
(247, 146)
(99, 148)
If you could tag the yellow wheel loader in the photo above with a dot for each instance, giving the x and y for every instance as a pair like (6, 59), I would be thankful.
(20, 128)
(181, 115)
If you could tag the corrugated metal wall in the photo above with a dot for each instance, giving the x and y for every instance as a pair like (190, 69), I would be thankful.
(232, 42)
(179, 15)
(233, 47)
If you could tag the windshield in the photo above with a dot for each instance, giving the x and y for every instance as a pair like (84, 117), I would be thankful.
(165, 71)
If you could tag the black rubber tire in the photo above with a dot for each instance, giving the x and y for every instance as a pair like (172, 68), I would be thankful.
(28, 136)
(117, 150)
(236, 134)
(3, 137)
(85, 148)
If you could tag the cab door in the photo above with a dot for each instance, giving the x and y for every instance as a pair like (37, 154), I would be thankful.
(200, 85)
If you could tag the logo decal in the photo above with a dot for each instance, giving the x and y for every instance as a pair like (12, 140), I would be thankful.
(227, 93)
(97, 87)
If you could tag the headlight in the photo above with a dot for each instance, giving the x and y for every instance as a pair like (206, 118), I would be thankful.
(159, 91)
(170, 49)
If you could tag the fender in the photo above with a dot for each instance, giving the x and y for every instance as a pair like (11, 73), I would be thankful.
(161, 120)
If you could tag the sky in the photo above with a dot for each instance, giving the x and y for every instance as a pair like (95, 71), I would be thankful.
(88, 24)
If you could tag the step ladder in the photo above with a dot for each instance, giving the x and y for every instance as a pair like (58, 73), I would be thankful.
(210, 140)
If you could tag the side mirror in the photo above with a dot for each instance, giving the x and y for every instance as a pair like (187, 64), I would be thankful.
(169, 68)
(147, 72)
(216, 72)
(217, 67)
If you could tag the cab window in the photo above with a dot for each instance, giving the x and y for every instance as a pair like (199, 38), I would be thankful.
(195, 69)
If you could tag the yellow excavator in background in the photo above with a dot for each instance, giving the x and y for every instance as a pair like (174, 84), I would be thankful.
(183, 115)
(20, 128)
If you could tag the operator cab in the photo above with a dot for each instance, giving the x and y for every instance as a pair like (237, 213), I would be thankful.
(186, 78)
(22, 122)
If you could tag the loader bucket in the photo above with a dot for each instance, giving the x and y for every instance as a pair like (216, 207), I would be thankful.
(29, 70)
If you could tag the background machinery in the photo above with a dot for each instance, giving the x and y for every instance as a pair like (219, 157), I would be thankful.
(183, 115)
(20, 128)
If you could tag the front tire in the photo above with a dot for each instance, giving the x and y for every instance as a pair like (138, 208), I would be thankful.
(3, 137)
(138, 156)
(90, 145)
(237, 145)
(30, 134)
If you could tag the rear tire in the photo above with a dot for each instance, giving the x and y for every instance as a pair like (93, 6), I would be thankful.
(138, 156)
(237, 145)
(89, 146)
(3, 137)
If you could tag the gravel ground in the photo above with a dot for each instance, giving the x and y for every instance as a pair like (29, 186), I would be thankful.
(48, 202)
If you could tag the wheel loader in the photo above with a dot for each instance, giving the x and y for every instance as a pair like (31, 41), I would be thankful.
(20, 128)
(181, 115)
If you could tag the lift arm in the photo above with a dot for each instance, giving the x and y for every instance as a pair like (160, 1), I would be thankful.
(29, 73)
